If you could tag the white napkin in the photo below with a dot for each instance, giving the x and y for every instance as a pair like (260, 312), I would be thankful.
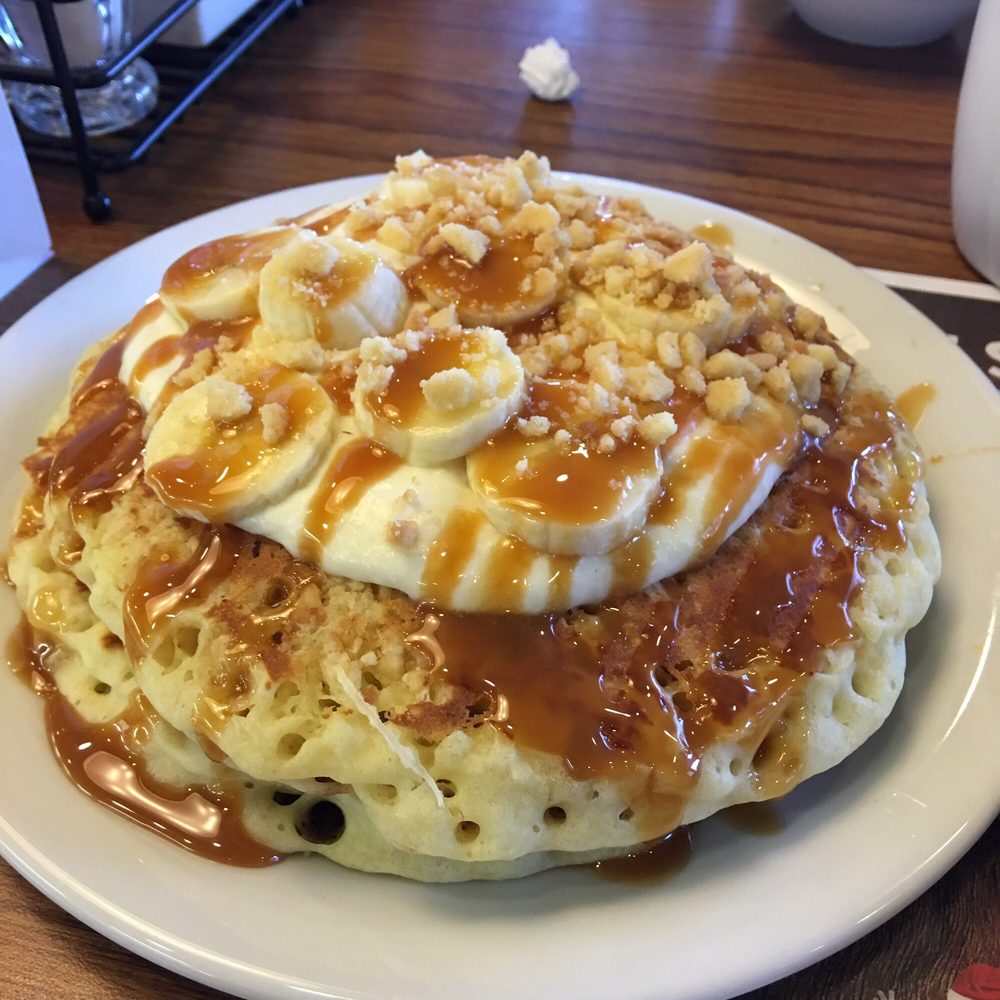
(25, 243)
(547, 72)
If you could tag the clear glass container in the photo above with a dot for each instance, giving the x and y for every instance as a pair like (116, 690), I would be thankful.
(94, 33)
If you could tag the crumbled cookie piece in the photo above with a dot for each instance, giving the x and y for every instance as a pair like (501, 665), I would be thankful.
(404, 534)
(691, 379)
(840, 376)
(534, 426)
(601, 361)
(693, 350)
(378, 357)
(394, 234)
(764, 361)
(274, 420)
(773, 343)
(535, 219)
(814, 425)
(668, 349)
(382, 351)
(807, 374)
(657, 428)
(444, 318)
(728, 364)
(691, 265)
(470, 244)
(448, 390)
(778, 382)
(198, 368)
(825, 355)
(226, 401)
(648, 382)
(805, 322)
(727, 399)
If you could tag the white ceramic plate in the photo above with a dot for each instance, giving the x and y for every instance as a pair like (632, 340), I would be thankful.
(858, 843)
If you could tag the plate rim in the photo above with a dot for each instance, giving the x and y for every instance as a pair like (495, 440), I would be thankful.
(214, 968)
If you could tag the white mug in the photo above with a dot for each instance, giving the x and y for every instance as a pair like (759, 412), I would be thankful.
(975, 174)
(884, 23)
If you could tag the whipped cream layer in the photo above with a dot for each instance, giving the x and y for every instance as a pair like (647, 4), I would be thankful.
(551, 402)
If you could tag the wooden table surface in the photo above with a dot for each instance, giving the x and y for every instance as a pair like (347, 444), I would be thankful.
(731, 100)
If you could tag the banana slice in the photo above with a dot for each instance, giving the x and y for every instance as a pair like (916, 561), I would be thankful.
(331, 290)
(219, 280)
(223, 449)
(566, 497)
(432, 397)
(498, 289)
(713, 320)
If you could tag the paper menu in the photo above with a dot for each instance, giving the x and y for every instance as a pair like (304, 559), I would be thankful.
(24, 237)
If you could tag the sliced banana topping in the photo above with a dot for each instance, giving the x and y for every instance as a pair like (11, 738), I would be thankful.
(477, 386)
(568, 498)
(710, 319)
(497, 282)
(549, 480)
(330, 290)
(219, 280)
(223, 448)
(432, 396)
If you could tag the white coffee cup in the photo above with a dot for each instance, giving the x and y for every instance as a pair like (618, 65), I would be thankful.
(886, 23)
(975, 173)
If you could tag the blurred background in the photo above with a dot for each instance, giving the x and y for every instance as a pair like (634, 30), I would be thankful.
(738, 101)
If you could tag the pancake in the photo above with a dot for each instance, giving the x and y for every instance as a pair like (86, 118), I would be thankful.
(442, 743)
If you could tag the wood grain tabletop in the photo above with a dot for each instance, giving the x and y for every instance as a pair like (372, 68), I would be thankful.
(736, 101)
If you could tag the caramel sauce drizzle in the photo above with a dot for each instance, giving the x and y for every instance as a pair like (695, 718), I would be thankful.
(233, 459)
(106, 763)
(248, 251)
(338, 383)
(518, 333)
(402, 402)
(716, 233)
(450, 553)
(326, 224)
(99, 451)
(30, 515)
(650, 863)
(163, 587)
(354, 469)
(606, 226)
(614, 692)
(329, 290)
(507, 572)
(494, 282)
(631, 564)
(733, 462)
(661, 860)
(199, 336)
(912, 403)
(580, 486)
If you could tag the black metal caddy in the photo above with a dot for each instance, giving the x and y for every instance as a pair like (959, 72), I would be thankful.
(185, 74)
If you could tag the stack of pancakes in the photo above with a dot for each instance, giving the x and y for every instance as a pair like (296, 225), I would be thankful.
(475, 527)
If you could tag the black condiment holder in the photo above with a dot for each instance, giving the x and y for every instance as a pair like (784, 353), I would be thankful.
(185, 73)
